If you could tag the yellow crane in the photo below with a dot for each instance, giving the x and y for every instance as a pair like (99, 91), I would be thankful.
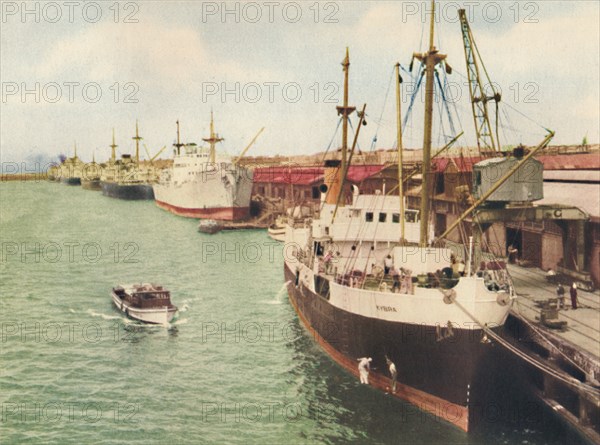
(488, 146)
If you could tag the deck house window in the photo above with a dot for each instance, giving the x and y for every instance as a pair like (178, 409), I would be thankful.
(396, 218)
(369, 217)
(382, 217)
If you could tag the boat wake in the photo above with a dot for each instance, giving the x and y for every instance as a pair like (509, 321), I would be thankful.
(279, 297)
(103, 316)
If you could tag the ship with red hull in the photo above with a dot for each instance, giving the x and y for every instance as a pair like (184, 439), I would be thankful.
(204, 184)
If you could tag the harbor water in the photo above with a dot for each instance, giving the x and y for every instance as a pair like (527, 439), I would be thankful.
(235, 366)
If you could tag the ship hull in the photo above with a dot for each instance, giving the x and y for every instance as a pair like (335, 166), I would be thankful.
(438, 376)
(71, 181)
(91, 184)
(218, 213)
(127, 191)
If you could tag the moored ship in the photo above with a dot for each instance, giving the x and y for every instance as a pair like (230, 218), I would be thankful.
(368, 280)
(204, 184)
(71, 170)
(92, 173)
(126, 178)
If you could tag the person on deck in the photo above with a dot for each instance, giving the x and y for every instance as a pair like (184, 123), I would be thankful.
(387, 264)
(513, 253)
(396, 278)
(560, 294)
(364, 366)
(461, 268)
(573, 292)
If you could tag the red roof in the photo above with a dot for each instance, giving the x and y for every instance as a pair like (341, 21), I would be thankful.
(358, 173)
(462, 164)
(288, 175)
(583, 161)
(310, 175)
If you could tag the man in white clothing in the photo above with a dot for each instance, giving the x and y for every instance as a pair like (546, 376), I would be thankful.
(364, 366)
(393, 373)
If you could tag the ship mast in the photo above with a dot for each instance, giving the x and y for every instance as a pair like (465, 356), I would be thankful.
(213, 139)
(178, 145)
(400, 149)
(345, 111)
(137, 139)
(431, 58)
(113, 147)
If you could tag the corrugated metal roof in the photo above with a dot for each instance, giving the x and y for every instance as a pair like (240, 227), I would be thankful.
(580, 161)
(309, 175)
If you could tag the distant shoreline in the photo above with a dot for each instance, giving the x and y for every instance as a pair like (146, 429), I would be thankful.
(23, 177)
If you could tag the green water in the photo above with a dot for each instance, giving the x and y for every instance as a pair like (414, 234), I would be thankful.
(234, 367)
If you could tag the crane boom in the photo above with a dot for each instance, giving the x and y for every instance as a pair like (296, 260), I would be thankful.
(479, 99)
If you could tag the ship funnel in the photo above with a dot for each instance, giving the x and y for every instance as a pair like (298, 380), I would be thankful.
(333, 180)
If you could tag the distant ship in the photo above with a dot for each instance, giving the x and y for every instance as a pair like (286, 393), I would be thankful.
(92, 173)
(202, 184)
(126, 178)
(71, 170)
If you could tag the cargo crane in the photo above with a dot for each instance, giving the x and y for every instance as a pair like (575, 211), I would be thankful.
(487, 145)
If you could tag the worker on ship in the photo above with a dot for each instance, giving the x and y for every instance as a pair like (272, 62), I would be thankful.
(364, 366)
(388, 263)
(393, 373)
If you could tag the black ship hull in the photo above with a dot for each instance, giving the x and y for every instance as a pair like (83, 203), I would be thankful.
(71, 181)
(91, 184)
(127, 191)
(437, 371)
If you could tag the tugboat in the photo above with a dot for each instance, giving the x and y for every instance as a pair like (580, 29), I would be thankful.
(209, 226)
(145, 302)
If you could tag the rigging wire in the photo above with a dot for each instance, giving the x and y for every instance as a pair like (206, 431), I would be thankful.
(374, 141)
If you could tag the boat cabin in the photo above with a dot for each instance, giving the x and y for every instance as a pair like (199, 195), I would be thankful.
(145, 296)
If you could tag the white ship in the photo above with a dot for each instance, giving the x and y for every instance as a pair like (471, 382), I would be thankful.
(204, 184)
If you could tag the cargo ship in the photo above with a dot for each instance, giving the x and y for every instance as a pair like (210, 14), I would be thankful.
(367, 279)
(92, 174)
(71, 170)
(126, 178)
(205, 184)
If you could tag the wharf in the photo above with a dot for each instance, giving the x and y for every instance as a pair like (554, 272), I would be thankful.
(243, 225)
(561, 367)
(583, 324)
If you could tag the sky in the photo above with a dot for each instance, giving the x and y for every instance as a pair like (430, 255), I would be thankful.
(73, 71)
